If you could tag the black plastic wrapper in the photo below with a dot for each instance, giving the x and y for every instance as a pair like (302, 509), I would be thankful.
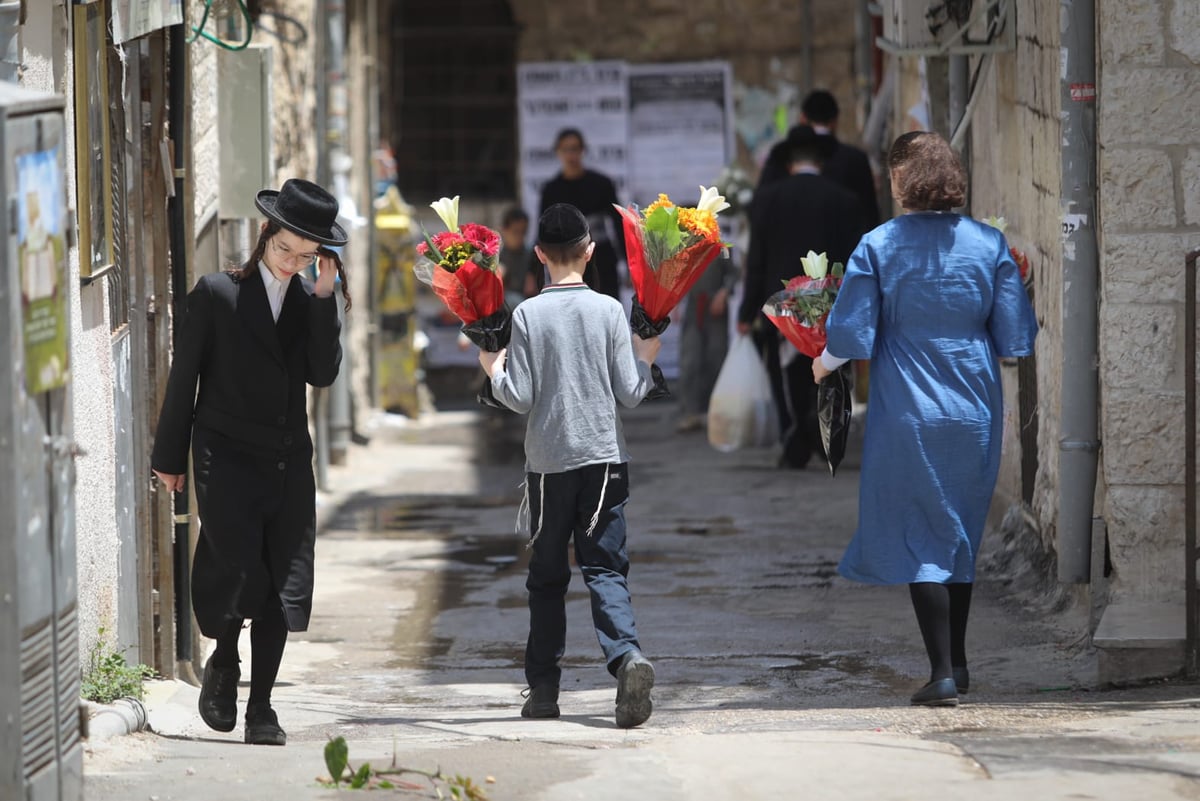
(492, 334)
(833, 414)
(646, 328)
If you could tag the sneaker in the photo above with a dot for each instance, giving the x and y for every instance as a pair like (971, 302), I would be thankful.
(541, 702)
(936, 693)
(218, 696)
(262, 726)
(635, 678)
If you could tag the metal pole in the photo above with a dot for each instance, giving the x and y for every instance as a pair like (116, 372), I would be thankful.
(1080, 443)
(1189, 460)
(176, 210)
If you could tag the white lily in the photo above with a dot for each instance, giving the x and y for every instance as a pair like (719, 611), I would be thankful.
(998, 223)
(447, 209)
(711, 200)
(816, 265)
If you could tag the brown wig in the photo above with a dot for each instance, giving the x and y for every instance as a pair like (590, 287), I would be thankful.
(250, 267)
(926, 173)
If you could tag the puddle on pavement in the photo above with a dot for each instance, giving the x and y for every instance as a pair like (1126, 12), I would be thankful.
(437, 591)
(415, 515)
(712, 527)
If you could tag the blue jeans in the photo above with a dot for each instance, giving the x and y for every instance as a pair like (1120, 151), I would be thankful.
(587, 505)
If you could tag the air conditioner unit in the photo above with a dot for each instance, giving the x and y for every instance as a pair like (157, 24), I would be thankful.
(947, 27)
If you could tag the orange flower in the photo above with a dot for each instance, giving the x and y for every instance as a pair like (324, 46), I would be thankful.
(700, 223)
(662, 202)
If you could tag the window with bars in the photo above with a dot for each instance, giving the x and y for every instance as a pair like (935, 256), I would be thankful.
(454, 73)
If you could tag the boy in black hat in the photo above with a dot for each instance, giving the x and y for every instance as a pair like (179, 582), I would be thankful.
(253, 338)
(571, 360)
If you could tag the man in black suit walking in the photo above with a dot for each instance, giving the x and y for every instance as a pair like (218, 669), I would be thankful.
(846, 165)
(802, 212)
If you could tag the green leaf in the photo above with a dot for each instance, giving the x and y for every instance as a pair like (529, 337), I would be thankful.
(434, 254)
(362, 777)
(838, 270)
(337, 754)
(663, 224)
(384, 784)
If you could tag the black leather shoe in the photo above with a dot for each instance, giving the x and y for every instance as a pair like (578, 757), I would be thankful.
(936, 693)
(218, 696)
(542, 702)
(262, 726)
(635, 679)
(962, 679)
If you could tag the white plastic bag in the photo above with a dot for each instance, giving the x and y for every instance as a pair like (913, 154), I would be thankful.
(741, 412)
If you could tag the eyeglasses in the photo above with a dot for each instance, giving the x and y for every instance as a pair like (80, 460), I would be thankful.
(287, 254)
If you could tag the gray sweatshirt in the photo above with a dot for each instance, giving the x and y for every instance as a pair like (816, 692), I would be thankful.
(570, 361)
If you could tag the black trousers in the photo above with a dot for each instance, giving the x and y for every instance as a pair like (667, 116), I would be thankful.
(795, 395)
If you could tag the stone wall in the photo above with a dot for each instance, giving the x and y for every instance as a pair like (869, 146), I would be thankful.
(764, 40)
(1149, 91)
(1015, 173)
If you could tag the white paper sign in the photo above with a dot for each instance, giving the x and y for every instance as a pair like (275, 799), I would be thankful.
(556, 95)
(681, 130)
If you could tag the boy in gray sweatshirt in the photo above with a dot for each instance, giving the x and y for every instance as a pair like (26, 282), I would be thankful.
(571, 360)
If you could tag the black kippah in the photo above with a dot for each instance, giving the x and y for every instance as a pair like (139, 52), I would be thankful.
(562, 224)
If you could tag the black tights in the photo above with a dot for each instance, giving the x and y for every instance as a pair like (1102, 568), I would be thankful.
(942, 611)
(268, 635)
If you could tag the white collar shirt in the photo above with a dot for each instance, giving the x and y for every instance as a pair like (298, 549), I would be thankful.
(276, 290)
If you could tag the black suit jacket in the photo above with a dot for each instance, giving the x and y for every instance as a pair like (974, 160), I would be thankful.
(791, 217)
(850, 167)
(847, 166)
(251, 370)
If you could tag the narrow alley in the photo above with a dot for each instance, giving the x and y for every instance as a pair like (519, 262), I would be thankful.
(776, 678)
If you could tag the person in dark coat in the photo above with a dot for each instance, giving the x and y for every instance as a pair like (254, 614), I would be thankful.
(802, 212)
(594, 194)
(845, 165)
(252, 339)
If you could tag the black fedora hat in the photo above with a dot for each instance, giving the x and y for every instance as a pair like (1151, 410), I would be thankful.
(305, 209)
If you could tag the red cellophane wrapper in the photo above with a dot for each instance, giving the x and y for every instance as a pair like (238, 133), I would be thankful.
(660, 290)
(808, 336)
(472, 292)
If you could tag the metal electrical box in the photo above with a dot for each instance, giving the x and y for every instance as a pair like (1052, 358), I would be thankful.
(244, 128)
(947, 27)
(41, 757)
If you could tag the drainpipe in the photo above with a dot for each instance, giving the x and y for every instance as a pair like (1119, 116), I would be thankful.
(1080, 444)
(179, 286)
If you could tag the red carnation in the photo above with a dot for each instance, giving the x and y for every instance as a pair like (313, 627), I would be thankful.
(445, 239)
(483, 238)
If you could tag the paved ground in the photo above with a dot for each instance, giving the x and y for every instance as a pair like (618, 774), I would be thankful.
(776, 678)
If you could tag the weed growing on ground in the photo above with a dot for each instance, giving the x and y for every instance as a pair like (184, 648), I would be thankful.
(109, 677)
(441, 786)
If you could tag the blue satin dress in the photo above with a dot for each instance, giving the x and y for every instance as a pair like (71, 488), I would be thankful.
(932, 299)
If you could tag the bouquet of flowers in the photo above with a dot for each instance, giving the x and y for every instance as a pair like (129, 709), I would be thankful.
(461, 266)
(668, 248)
(800, 309)
(1000, 224)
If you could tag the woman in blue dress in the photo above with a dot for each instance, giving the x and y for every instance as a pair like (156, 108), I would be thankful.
(933, 299)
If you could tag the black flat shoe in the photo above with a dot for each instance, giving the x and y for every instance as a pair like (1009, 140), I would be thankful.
(541, 703)
(218, 696)
(262, 726)
(936, 693)
(962, 679)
